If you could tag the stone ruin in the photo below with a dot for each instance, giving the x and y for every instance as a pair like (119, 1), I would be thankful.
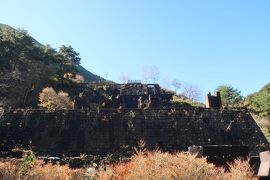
(100, 132)
(78, 131)
(132, 112)
(144, 96)
(213, 101)
(131, 95)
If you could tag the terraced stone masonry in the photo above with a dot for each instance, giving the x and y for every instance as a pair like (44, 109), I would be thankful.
(99, 132)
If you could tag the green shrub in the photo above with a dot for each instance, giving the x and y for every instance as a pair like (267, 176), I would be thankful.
(28, 162)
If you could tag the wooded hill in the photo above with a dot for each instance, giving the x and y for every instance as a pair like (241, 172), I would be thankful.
(27, 66)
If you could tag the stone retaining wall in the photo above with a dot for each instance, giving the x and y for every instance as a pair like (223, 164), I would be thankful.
(99, 132)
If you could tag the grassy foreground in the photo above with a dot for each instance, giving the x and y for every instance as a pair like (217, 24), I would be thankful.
(145, 165)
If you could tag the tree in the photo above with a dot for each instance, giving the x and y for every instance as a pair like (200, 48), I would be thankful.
(166, 83)
(176, 84)
(145, 74)
(154, 74)
(71, 57)
(124, 78)
(150, 74)
(52, 101)
(192, 92)
(28, 62)
(68, 60)
(260, 101)
(230, 96)
(16, 47)
(48, 54)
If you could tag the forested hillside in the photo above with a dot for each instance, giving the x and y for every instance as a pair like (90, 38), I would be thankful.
(26, 66)
(259, 104)
(260, 101)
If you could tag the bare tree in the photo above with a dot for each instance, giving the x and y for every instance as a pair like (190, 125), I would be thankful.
(176, 84)
(124, 78)
(154, 74)
(145, 74)
(150, 74)
(166, 83)
(192, 92)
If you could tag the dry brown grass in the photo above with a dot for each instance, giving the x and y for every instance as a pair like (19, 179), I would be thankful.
(53, 172)
(8, 171)
(157, 165)
(240, 170)
(40, 171)
(143, 166)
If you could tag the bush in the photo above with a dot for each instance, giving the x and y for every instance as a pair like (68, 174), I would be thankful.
(259, 102)
(157, 165)
(39, 171)
(28, 162)
(230, 96)
(240, 170)
(51, 101)
(8, 171)
(53, 172)
(144, 165)
(181, 101)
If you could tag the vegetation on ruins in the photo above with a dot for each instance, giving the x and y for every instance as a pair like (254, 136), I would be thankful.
(182, 101)
(230, 96)
(192, 92)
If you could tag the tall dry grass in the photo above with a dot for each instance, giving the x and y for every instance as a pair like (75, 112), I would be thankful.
(143, 166)
(8, 170)
(39, 171)
(53, 172)
(157, 165)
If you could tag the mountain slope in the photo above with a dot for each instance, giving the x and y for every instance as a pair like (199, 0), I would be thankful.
(26, 67)
(88, 76)
(5, 26)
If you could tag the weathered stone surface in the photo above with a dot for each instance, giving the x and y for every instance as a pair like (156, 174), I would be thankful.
(99, 132)
(213, 101)
(265, 164)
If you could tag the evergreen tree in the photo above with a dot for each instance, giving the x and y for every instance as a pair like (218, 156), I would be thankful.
(230, 96)
(260, 101)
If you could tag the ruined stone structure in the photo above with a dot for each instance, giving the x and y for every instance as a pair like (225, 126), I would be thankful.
(131, 95)
(213, 101)
(100, 132)
(109, 116)
(150, 95)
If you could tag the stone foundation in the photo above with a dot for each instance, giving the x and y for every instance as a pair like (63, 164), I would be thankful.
(100, 132)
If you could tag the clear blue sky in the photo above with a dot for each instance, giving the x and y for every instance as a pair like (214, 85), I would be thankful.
(204, 42)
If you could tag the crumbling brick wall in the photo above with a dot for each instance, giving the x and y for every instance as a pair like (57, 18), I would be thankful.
(74, 132)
